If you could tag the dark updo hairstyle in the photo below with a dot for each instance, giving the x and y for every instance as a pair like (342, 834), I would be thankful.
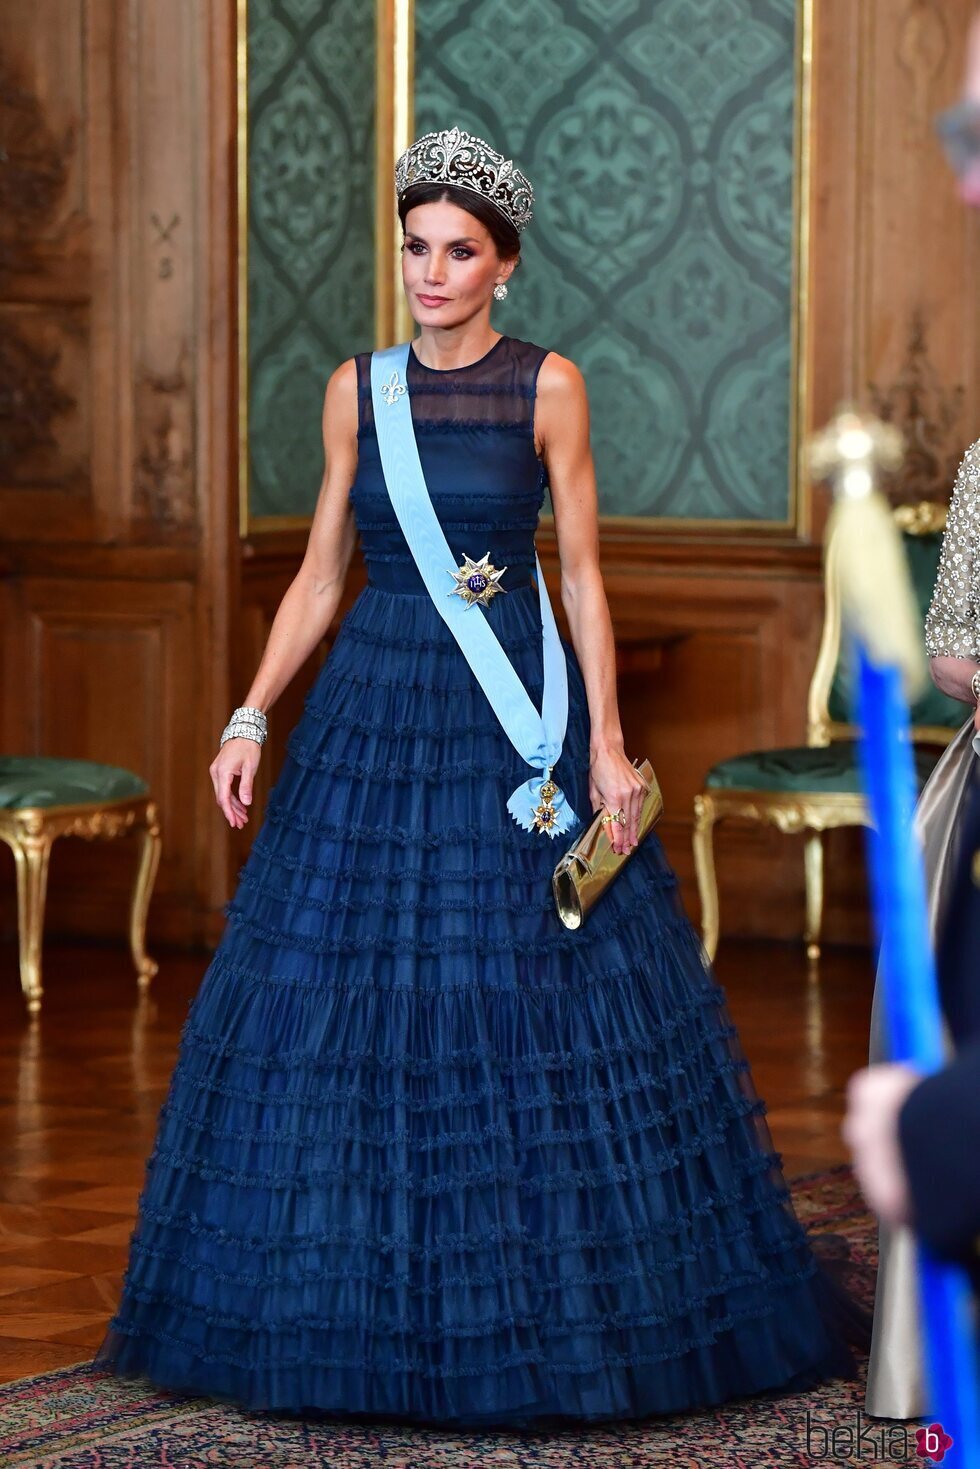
(500, 229)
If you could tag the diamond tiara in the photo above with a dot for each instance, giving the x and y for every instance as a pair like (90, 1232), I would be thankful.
(456, 157)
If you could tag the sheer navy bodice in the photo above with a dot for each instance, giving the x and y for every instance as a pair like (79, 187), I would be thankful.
(475, 430)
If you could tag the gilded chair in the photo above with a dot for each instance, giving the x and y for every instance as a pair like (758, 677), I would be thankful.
(42, 798)
(817, 786)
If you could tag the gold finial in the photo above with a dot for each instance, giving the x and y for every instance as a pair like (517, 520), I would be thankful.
(870, 570)
(852, 450)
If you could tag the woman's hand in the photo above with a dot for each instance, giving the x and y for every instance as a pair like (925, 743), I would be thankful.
(875, 1097)
(237, 759)
(615, 783)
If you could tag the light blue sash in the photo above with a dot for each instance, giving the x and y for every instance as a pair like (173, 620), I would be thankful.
(537, 738)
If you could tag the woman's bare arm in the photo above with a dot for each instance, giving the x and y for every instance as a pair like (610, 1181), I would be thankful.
(953, 676)
(562, 428)
(311, 600)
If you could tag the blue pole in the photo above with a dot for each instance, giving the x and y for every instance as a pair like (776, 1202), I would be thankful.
(915, 1028)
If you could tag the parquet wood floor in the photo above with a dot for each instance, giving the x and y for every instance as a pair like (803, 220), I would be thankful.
(81, 1087)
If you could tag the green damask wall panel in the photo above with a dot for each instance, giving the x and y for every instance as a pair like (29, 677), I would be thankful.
(659, 136)
(311, 94)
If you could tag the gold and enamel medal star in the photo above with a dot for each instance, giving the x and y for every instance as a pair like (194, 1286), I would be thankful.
(477, 581)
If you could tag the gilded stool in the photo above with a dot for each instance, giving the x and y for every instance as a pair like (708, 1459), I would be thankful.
(42, 797)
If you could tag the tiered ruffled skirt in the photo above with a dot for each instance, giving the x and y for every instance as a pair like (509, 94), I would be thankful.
(426, 1153)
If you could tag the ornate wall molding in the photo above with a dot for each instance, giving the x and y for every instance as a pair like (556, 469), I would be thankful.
(34, 172)
(928, 414)
(31, 399)
(116, 422)
(922, 48)
(164, 485)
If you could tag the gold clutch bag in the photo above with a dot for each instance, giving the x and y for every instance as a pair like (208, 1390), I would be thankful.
(588, 867)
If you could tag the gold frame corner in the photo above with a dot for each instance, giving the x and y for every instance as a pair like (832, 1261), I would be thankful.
(394, 62)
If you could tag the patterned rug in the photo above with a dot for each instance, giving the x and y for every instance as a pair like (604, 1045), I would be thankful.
(77, 1418)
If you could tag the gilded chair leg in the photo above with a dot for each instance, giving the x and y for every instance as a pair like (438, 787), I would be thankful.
(32, 853)
(146, 873)
(704, 867)
(813, 871)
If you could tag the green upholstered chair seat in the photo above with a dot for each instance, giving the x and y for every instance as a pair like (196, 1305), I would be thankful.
(41, 780)
(825, 770)
(933, 707)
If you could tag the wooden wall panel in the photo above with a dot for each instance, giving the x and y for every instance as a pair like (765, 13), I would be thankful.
(45, 82)
(912, 57)
(110, 672)
(891, 241)
(735, 680)
(47, 447)
(48, 372)
(116, 482)
(164, 234)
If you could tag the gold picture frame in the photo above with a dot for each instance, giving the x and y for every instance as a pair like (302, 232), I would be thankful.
(394, 52)
(394, 63)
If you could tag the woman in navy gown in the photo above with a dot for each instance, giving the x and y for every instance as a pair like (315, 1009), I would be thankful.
(425, 1152)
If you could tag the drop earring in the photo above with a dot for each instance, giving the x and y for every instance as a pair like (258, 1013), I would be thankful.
(500, 291)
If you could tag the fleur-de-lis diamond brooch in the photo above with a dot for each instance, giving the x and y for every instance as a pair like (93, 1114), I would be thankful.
(392, 389)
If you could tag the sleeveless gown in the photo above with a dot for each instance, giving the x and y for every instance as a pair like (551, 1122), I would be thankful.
(425, 1153)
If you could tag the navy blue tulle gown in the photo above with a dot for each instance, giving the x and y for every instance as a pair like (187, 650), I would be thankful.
(426, 1153)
